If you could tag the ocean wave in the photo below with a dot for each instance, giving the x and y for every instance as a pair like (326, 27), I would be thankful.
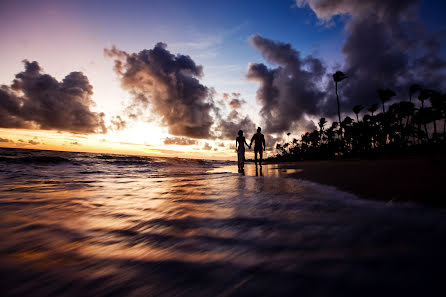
(35, 160)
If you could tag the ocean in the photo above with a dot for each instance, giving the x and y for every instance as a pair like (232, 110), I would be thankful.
(84, 224)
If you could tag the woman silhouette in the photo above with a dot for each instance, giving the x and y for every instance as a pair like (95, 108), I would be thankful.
(240, 142)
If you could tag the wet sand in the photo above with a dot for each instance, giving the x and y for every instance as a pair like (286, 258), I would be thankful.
(417, 179)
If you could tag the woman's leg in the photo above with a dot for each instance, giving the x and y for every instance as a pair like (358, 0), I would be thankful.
(243, 160)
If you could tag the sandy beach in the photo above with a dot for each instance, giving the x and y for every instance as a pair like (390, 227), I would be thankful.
(409, 179)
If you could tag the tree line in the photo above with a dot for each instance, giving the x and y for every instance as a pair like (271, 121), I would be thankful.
(401, 128)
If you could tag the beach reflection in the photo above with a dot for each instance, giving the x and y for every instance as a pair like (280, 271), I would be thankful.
(269, 170)
(198, 232)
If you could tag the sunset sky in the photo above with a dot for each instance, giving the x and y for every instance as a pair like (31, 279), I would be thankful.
(179, 78)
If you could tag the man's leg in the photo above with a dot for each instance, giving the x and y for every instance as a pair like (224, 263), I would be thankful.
(261, 157)
(255, 156)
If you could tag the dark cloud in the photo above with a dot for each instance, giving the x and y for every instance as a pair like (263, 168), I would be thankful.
(291, 90)
(179, 141)
(117, 123)
(5, 140)
(39, 101)
(207, 146)
(233, 100)
(386, 47)
(236, 103)
(33, 142)
(167, 84)
(326, 9)
(228, 127)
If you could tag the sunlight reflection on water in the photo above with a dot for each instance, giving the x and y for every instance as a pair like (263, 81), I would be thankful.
(197, 231)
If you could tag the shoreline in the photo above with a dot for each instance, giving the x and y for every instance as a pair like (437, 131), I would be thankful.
(406, 179)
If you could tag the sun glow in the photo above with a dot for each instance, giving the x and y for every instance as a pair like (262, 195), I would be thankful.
(140, 139)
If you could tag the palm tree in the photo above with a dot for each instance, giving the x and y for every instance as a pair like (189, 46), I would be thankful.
(435, 100)
(424, 95)
(412, 90)
(443, 113)
(385, 95)
(373, 108)
(337, 77)
(406, 109)
(321, 125)
(357, 109)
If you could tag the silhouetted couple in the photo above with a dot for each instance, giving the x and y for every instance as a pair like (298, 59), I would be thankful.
(259, 147)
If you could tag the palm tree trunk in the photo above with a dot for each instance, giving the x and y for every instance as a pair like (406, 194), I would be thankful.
(357, 118)
(419, 133)
(339, 108)
(424, 124)
(444, 126)
(405, 128)
(435, 128)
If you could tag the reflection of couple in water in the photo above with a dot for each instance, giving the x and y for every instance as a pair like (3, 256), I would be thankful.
(259, 147)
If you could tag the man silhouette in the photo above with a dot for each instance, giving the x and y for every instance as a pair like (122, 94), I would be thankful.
(259, 145)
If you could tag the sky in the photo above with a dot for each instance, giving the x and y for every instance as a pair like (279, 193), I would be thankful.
(180, 78)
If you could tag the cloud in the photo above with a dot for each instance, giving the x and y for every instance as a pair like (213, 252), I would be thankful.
(168, 85)
(39, 101)
(233, 100)
(236, 103)
(33, 142)
(117, 123)
(386, 47)
(207, 146)
(326, 9)
(290, 91)
(228, 120)
(5, 140)
(180, 141)
(228, 127)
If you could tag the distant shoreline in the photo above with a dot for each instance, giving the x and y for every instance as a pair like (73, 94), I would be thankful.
(419, 179)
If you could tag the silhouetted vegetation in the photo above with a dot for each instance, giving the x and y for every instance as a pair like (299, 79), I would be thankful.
(404, 127)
